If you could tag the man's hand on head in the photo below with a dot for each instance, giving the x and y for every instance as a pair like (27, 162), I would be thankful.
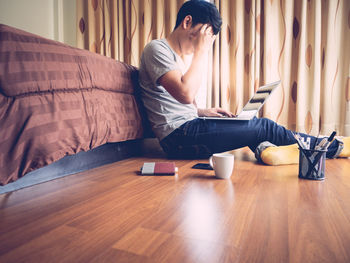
(214, 112)
(204, 39)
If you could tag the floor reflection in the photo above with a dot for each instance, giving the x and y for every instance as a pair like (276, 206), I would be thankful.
(204, 210)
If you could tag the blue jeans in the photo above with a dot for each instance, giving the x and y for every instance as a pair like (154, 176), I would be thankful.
(201, 138)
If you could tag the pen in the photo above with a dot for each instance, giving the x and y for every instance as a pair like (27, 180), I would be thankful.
(300, 143)
(308, 142)
(323, 145)
(318, 135)
(304, 143)
(329, 141)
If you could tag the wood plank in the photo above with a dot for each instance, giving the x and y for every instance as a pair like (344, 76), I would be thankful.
(261, 214)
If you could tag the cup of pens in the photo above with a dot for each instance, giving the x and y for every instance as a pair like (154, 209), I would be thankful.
(312, 164)
(312, 159)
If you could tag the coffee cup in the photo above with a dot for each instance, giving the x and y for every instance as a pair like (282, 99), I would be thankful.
(222, 163)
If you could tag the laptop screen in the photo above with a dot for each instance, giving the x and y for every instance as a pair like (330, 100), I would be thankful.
(260, 97)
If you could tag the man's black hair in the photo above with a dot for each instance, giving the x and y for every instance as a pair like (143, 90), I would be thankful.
(202, 12)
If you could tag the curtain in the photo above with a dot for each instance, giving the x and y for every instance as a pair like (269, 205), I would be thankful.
(304, 43)
(121, 28)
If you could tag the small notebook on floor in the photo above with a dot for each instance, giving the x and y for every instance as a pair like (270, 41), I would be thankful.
(159, 168)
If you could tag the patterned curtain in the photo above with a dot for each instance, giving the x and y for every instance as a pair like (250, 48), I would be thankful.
(305, 43)
(120, 29)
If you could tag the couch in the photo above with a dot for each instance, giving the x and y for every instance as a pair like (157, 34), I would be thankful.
(57, 101)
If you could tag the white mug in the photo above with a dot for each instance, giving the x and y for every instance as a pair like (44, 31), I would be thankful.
(222, 163)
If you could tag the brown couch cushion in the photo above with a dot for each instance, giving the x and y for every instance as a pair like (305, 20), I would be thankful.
(56, 100)
(34, 64)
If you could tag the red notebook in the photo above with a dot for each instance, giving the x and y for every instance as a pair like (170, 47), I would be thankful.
(159, 168)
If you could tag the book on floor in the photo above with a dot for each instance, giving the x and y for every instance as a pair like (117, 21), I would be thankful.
(159, 168)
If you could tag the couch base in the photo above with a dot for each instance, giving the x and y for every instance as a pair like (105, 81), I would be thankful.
(82, 161)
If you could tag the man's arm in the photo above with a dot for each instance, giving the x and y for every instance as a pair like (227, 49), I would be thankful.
(184, 87)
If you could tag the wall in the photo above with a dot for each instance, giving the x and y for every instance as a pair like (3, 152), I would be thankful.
(53, 19)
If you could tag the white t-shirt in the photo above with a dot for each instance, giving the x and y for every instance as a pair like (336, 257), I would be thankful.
(164, 112)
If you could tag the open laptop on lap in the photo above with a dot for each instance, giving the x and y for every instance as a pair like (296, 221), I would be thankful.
(254, 104)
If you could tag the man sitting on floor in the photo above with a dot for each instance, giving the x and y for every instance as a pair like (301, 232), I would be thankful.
(169, 88)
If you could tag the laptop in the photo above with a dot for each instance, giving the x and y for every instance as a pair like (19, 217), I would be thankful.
(254, 104)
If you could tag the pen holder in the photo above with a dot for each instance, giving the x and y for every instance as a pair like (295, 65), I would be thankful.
(312, 164)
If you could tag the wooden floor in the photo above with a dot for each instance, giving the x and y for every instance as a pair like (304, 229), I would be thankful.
(111, 214)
